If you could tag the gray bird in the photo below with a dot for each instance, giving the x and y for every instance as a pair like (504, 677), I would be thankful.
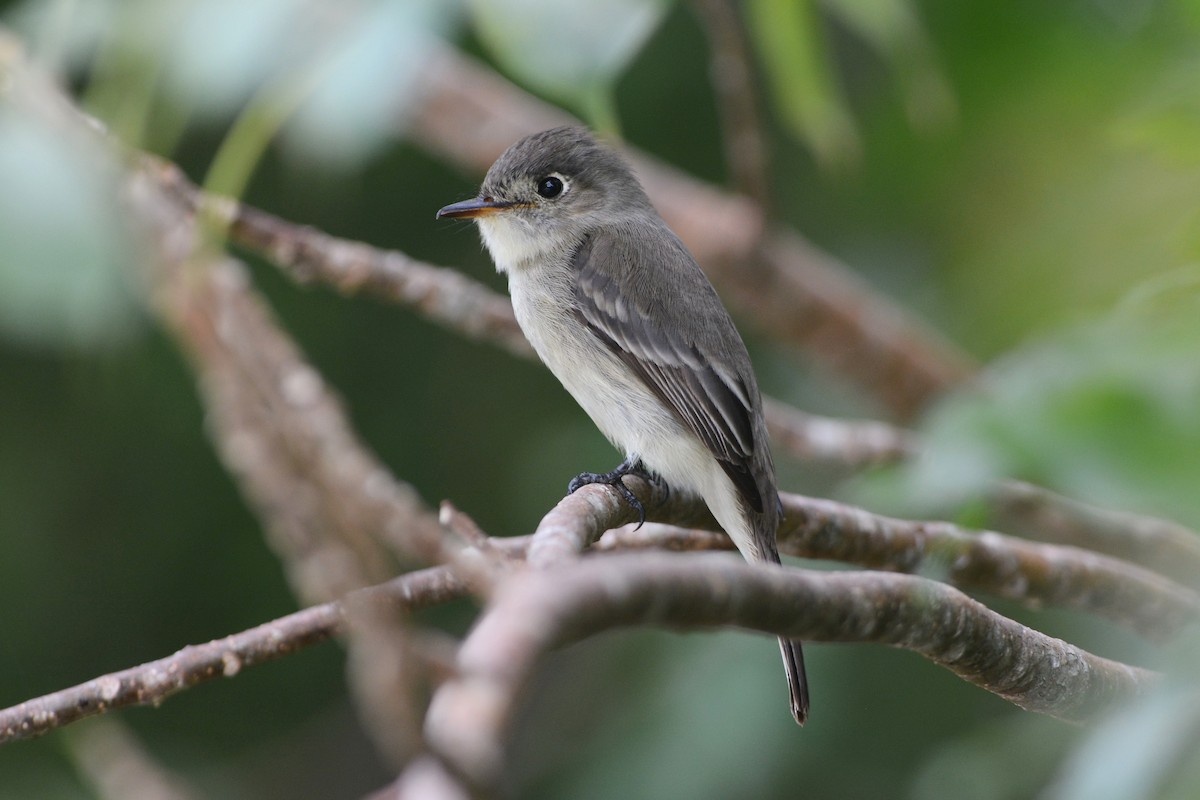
(620, 312)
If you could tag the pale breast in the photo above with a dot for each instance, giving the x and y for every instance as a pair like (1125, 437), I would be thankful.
(624, 410)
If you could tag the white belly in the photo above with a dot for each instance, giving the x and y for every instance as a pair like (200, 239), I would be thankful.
(624, 410)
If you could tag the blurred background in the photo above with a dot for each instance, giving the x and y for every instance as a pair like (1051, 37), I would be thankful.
(1023, 175)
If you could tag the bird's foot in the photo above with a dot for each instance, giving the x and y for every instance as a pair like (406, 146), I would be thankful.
(629, 466)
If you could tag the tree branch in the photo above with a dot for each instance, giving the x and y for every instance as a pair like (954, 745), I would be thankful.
(824, 533)
(1036, 575)
(467, 307)
(155, 681)
(1031, 573)
(733, 85)
(469, 720)
(1161, 545)
(115, 765)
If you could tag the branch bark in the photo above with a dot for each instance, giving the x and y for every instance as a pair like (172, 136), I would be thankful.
(156, 681)
(1161, 545)
(469, 720)
(815, 529)
(1036, 575)
(1028, 572)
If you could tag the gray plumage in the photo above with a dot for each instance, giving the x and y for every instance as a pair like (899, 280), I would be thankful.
(620, 312)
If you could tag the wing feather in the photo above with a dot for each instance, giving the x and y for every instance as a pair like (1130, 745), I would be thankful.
(713, 405)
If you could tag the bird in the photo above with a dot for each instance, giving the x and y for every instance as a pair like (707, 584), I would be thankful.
(624, 317)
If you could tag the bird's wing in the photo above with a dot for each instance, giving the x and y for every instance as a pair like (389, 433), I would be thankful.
(714, 405)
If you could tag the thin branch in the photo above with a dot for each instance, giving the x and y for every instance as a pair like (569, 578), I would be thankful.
(660, 536)
(813, 528)
(849, 443)
(1031, 573)
(154, 682)
(467, 307)
(115, 765)
(1161, 545)
(470, 718)
(733, 84)
(469, 115)
(445, 296)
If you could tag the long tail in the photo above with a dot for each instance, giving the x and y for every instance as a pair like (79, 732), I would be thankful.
(753, 531)
(793, 665)
(793, 654)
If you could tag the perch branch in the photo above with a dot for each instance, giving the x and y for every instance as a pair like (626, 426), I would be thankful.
(823, 532)
(1031, 573)
(470, 717)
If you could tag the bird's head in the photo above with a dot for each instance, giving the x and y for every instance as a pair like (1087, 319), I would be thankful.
(546, 192)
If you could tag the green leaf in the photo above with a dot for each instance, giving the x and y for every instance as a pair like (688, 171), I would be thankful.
(789, 39)
(63, 248)
(572, 52)
(368, 81)
(893, 28)
(1137, 752)
(1107, 412)
(1165, 120)
(343, 74)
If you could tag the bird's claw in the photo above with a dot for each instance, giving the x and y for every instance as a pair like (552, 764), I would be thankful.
(613, 479)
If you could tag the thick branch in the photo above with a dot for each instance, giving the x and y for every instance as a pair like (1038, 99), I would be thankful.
(325, 498)
(1034, 574)
(826, 533)
(469, 721)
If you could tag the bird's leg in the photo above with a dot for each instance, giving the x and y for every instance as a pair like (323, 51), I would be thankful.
(630, 466)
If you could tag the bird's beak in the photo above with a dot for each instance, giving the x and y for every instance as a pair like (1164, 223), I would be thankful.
(475, 207)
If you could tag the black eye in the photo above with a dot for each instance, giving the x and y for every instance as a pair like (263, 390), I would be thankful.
(550, 187)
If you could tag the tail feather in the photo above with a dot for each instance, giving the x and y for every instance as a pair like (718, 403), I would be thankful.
(793, 665)
(754, 533)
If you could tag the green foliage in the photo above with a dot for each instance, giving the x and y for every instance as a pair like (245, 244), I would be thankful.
(1046, 226)
(343, 73)
(1105, 411)
(63, 244)
(1138, 752)
(789, 38)
(572, 52)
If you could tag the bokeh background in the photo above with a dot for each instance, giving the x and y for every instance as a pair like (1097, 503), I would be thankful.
(1024, 175)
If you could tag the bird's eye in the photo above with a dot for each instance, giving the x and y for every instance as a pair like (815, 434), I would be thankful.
(550, 187)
